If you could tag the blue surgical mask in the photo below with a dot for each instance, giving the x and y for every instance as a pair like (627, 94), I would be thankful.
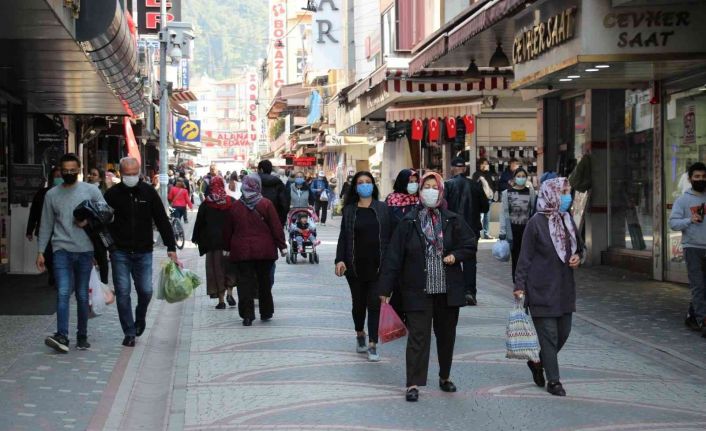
(58, 181)
(565, 204)
(412, 188)
(364, 190)
(299, 181)
(521, 181)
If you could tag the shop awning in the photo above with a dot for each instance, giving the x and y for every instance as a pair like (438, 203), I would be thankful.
(437, 111)
(368, 83)
(183, 96)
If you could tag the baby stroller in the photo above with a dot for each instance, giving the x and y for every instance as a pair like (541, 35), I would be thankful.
(309, 243)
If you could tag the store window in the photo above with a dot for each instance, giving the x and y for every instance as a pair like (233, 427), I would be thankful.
(684, 144)
(630, 152)
(572, 124)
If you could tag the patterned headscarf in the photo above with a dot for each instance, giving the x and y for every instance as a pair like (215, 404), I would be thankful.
(430, 218)
(252, 190)
(560, 223)
(217, 197)
(439, 181)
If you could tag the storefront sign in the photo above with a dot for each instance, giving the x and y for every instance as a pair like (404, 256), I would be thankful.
(373, 45)
(328, 35)
(188, 130)
(228, 139)
(278, 39)
(253, 117)
(690, 125)
(148, 14)
(646, 28)
(518, 136)
(542, 37)
(305, 161)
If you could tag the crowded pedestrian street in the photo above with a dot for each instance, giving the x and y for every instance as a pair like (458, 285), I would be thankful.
(198, 368)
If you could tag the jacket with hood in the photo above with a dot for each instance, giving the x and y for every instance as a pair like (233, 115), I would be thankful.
(273, 190)
(300, 197)
(693, 234)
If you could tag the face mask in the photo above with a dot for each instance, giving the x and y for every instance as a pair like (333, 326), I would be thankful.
(364, 190)
(412, 188)
(58, 181)
(521, 181)
(69, 178)
(131, 180)
(430, 197)
(699, 186)
(299, 181)
(565, 204)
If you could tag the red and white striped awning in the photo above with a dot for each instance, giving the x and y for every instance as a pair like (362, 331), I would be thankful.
(440, 82)
(183, 96)
(434, 111)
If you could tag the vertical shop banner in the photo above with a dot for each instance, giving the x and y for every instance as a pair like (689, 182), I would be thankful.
(690, 125)
(328, 35)
(253, 117)
(132, 149)
(278, 39)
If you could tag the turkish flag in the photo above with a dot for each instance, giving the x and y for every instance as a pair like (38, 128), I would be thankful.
(470, 123)
(451, 127)
(434, 129)
(417, 130)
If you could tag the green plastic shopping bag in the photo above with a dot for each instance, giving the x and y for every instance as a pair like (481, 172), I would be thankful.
(176, 284)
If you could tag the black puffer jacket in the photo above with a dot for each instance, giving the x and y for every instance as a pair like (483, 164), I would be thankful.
(273, 189)
(208, 228)
(346, 239)
(405, 263)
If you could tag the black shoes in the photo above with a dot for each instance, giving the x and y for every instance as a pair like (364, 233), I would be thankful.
(83, 344)
(140, 327)
(129, 341)
(221, 306)
(555, 388)
(412, 395)
(692, 323)
(247, 321)
(471, 299)
(58, 342)
(266, 318)
(537, 373)
(447, 386)
(231, 300)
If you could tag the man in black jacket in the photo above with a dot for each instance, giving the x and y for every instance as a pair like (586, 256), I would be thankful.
(467, 199)
(137, 205)
(273, 189)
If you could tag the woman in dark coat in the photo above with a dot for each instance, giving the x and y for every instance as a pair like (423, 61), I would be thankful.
(208, 235)
(425, 257)
(362, 243)
(551, 251)
(404, 197)
(252, 234)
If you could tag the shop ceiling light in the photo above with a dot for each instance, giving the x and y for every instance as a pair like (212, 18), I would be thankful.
(574, 76)
(592, 70)
(499, 59)
(602, 66)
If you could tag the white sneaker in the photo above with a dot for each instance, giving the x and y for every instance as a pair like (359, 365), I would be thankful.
(373, 355)
(360, 346)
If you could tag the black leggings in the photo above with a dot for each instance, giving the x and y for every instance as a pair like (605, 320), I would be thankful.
(518, 230)
(365, 298)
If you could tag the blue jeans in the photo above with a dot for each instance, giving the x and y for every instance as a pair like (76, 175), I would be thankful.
(72, 271)
(139, 267)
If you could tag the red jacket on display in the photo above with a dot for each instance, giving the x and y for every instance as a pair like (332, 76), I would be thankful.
(253, 234)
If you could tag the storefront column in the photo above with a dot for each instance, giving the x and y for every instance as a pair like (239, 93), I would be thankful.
(658, 191)
(597, 128)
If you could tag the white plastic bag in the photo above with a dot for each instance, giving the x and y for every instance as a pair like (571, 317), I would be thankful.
(501, 250)
(95, 290)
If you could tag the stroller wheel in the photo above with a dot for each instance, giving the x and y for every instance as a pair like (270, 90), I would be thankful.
(289, 261)
(316, 257)
(311, 258)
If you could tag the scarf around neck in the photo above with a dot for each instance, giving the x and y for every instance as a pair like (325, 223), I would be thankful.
(401, 200)
(561, 227)
(251, 189)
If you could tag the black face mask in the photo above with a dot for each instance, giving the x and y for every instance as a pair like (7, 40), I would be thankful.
(70, 178)
(699, 185)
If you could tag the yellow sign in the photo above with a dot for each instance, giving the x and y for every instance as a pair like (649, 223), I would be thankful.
(518, 136)
(190, 131)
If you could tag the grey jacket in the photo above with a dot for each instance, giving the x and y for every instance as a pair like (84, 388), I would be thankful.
(548, 282)
(300, 198)
(693, 234)
(505, 228)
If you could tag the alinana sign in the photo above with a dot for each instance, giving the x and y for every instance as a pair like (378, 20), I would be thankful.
(278, 41)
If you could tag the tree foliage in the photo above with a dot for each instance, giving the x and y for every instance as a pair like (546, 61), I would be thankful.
(230, 34)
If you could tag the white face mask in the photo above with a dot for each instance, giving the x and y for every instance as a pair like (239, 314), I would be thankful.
(429, 197)
(131, 180)
(412, 188)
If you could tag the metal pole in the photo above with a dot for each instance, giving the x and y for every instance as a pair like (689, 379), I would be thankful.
(163, 104)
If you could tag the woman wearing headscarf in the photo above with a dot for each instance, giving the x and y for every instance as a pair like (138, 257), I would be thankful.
(545, 277)
(518, 205)
(208, 235)
(362, 244)
(404, 197)
(252, 235)
(425, 255)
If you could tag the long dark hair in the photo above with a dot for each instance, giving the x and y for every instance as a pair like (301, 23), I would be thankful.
(403, 180)
(352, 196)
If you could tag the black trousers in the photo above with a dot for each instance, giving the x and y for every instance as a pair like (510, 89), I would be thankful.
(254, 278)
(518, 230)
(365, 300)
(552, 333)
(469, 275)
(321, 209)
(443, 319)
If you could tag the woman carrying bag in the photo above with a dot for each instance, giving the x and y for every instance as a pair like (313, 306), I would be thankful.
(545, 277)
(518, 203)
(208, 235)
(424, 259)
(362, 244)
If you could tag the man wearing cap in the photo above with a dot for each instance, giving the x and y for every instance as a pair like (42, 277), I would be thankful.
(321, 191)
(466, 198)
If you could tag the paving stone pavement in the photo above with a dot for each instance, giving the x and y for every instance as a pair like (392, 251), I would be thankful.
(300, 371)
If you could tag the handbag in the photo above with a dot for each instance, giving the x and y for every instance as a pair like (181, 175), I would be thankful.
(521, 337)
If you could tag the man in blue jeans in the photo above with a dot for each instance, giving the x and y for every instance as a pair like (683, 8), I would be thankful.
(137, 205)
(73, 251)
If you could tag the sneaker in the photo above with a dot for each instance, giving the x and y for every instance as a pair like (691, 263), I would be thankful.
(373, 355)
(360, 346)
(471, 299)
(83, 344)
(692, 323)
(58, 342)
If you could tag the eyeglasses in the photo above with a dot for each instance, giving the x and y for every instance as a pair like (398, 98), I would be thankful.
(69, 172)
